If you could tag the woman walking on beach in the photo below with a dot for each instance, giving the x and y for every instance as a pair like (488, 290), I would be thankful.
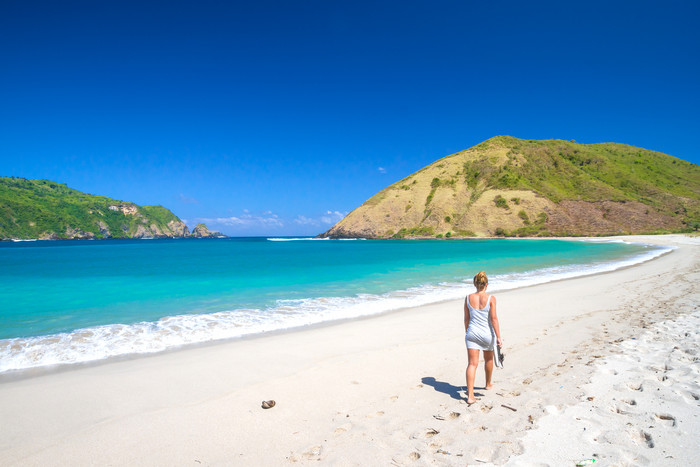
(482, 332)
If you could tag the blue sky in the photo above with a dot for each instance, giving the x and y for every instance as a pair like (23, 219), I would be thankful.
(279, 117)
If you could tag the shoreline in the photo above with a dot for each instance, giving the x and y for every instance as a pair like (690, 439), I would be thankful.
(553, 274)
(317, 237)
(367, 391)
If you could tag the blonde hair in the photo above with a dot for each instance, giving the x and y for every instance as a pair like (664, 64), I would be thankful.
(480, 280)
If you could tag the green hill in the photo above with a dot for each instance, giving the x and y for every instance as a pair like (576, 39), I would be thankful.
(507, 186)
(49, 210)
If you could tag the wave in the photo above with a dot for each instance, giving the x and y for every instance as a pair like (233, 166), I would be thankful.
(102, 342)
(604, 240)
(299, 239)
(284, 239)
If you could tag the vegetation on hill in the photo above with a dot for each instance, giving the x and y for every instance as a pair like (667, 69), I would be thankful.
(507, 186)
(50, 210)
(593, 172)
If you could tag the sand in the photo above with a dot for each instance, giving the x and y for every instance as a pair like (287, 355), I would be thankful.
(603, 365)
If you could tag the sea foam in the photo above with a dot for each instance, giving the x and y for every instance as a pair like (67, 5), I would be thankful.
(303, 239)
(102, 342)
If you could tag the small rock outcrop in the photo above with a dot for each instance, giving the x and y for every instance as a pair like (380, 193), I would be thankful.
(77, 234)
(178, 228)
(142, 232)
(48, 236)
(104, 229)
(202, 231)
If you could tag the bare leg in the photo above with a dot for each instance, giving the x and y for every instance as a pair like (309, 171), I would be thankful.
(488, 367)
(473, 355)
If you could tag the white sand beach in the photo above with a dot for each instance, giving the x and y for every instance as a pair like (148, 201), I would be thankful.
(602, 366)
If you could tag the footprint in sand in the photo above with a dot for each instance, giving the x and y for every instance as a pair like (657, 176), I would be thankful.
(393, 398)
(644, 437)
(636, 386)
(403, 460)
(527, 381)
(342, 429)
(475, 428)
(451, 416)
(313, 453)
(666, 419)
(426, 433)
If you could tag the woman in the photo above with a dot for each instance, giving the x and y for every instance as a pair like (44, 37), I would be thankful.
(482, 332)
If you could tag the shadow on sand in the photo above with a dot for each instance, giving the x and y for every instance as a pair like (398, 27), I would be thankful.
(447, 388)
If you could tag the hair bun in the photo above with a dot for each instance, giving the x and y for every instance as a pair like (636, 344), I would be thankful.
(480, 280)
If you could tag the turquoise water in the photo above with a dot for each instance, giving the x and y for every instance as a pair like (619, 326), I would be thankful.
(65, 302)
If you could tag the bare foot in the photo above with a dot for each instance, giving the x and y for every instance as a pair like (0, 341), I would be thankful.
(489, 386)
(471, 401)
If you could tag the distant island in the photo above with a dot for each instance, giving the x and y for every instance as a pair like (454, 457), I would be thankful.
(510, 187)
(47, 210)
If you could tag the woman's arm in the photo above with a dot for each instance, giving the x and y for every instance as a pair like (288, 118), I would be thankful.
(494, 321)
(466, 314)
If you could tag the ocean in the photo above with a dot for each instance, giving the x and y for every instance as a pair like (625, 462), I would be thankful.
(70, 302)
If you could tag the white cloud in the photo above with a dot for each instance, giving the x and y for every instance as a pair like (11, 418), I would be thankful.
(328, 218)
(382, 170)
(268, 222)
(303, 220)
(332, 217)
(246, 220)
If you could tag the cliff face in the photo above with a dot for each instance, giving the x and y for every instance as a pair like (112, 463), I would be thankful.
(48, 210)
(511, 187)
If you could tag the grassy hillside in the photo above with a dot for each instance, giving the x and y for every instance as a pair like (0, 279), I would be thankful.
(594, 172)
(46, 209)
(509, 186)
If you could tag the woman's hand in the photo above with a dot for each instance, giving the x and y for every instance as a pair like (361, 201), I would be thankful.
(499, 342)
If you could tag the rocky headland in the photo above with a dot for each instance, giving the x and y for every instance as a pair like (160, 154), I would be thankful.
(47, 210)
(507, 186)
